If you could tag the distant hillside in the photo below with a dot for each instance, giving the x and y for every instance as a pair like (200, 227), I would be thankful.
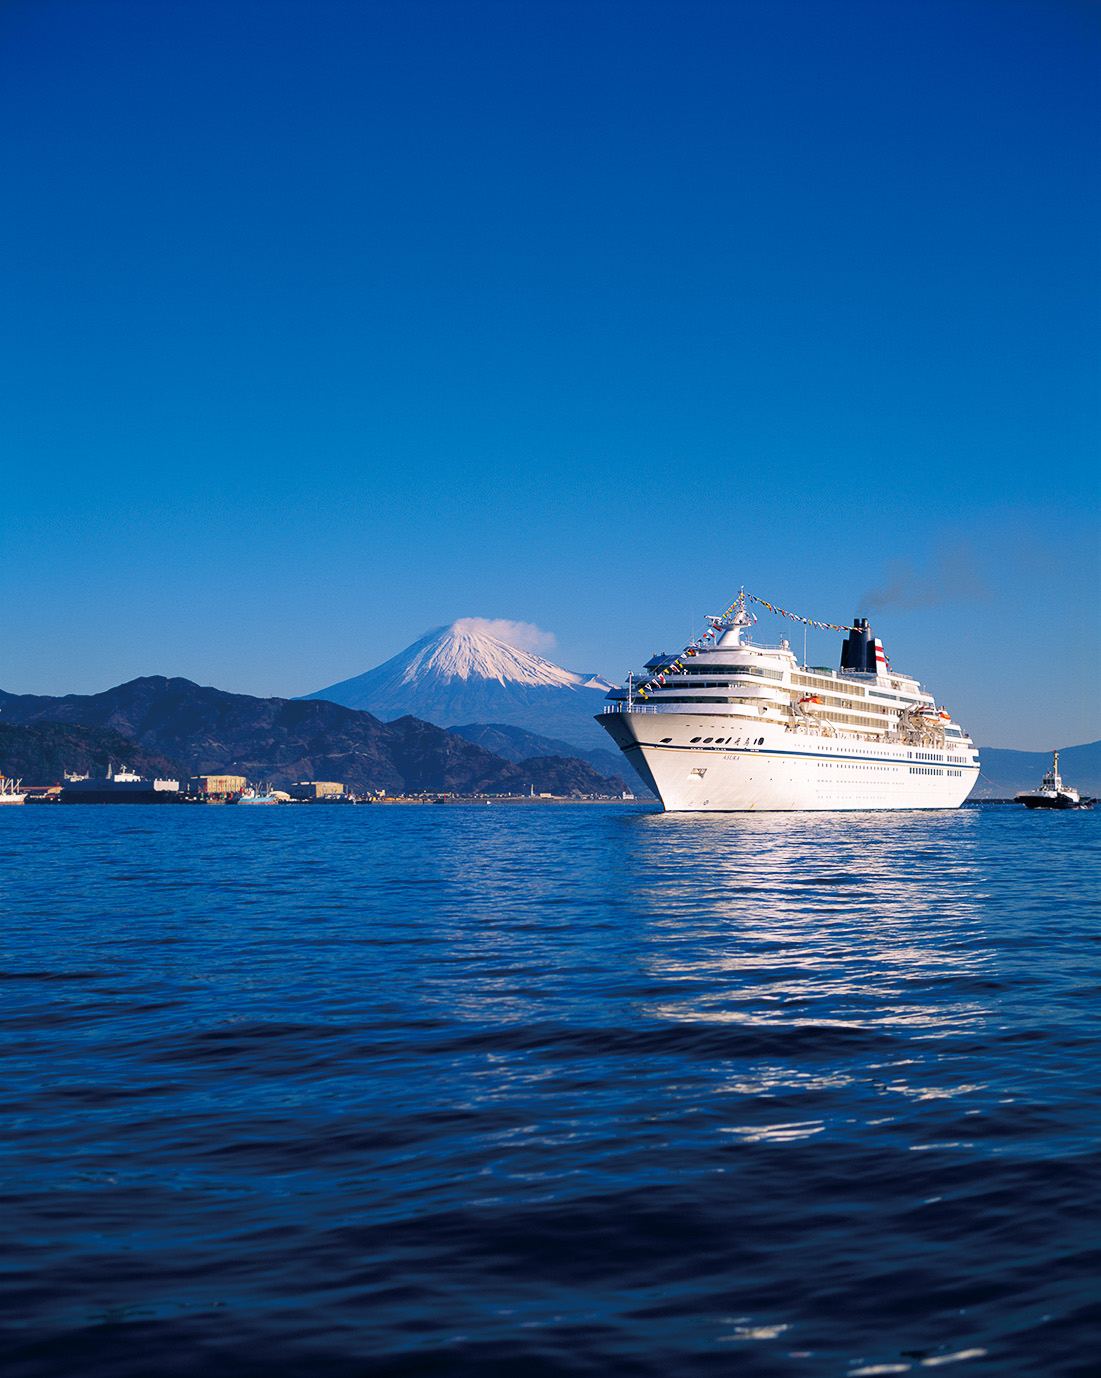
(461, 674)
(514, 744)
(1008, 772)
(42, 753)
(284, 740)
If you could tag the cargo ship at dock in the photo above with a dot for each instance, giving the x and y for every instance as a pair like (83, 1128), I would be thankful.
(730, 725)
(121, 787)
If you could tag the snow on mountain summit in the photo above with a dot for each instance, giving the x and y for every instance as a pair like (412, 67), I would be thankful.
(461, 651)
(462, 673)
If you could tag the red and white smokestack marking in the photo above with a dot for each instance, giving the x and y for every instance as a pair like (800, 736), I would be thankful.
(880, 657)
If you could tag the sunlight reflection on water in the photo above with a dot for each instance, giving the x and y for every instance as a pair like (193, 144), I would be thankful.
(635, 1085)
(877, 921)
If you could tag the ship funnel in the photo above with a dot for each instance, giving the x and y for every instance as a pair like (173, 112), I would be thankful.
(858, 648)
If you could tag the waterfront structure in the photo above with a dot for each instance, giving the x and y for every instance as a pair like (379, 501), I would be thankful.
(122, 787)
(216, 786)
(740, 726)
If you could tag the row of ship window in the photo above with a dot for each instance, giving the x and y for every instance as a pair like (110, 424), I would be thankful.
(856, 691)
(726, 684)
(799, 681)
(719, 741)
(711, 698)
(854, 721)
(733, 670)
(755, 670)
(848, 718)
(849, 765)
(845, 703)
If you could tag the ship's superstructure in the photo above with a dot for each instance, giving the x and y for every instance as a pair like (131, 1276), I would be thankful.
(728, 724)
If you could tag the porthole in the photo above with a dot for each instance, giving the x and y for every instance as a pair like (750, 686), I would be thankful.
(695, 739)
(665, 739)
(709, 739)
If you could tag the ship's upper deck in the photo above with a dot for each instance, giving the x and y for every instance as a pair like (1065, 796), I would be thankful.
(739, 677)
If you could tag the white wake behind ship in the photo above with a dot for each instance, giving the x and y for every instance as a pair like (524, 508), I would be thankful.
(736, 726)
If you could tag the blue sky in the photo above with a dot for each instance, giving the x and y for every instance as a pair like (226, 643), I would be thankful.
(325, 324)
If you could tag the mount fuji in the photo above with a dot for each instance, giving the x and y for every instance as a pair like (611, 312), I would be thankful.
(461, 673)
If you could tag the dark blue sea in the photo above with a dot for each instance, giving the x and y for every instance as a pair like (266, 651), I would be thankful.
(542, 1090)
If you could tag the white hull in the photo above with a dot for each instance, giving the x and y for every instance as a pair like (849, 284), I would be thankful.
(759, 767)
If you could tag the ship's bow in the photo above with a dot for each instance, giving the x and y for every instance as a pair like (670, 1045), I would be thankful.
(621, 727)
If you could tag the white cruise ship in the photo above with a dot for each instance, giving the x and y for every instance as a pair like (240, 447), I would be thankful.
(729, 725)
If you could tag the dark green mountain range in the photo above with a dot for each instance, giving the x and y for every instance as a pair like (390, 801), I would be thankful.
(41, 753)
(517, 744)
(284, 740)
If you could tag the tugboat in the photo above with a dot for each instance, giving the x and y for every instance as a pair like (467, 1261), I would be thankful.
(1053, 794)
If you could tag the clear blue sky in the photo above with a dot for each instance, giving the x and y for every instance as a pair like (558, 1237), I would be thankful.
(327, 323)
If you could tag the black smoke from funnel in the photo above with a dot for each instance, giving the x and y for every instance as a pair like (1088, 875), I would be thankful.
(953, 579)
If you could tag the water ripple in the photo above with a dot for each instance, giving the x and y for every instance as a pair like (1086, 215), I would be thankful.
(548, 1090)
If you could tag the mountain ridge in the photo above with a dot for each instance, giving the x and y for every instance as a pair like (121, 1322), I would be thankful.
(1005, 772)
(43, 753)
(516, 744)
(284, 740)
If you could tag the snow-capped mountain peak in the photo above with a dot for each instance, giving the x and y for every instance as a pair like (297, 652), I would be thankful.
(460, 651)
(462, 673)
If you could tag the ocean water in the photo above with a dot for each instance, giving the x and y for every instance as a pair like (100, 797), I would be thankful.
(545, 1090)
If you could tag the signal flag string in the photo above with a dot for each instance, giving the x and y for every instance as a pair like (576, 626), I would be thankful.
(783, 612)
(739, 602)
